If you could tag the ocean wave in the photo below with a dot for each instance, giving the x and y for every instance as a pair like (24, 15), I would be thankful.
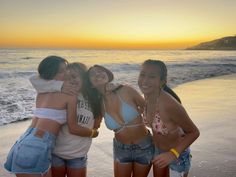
(17, 98)
(8, 120)
(15, 74)
(17, 95)
(28, 58)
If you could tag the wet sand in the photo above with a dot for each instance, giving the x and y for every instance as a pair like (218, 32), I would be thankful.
(211, 103)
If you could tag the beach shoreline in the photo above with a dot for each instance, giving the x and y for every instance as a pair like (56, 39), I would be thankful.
(210, 103)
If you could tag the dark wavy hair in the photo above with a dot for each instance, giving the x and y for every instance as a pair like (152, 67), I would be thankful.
(49, 66)
(87, 90)
(94, 95)
(163, 75)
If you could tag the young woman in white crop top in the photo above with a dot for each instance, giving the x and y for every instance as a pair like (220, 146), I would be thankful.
(70, 153)
(30, 156)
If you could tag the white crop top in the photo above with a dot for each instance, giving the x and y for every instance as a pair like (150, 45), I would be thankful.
(52, 114)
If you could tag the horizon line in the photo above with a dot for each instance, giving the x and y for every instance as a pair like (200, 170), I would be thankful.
(81, 48)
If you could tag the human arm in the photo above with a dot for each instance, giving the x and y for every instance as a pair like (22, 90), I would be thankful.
(178, 116)
(181, 118)
(97, 122)
(43, 86)
(72, 123)
(136, 97)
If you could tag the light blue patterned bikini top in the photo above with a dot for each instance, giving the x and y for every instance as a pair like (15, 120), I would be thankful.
(128, 113)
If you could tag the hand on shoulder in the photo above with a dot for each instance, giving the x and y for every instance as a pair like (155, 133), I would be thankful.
(69, 88)
(112, 86)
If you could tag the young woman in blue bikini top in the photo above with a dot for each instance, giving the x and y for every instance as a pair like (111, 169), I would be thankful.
(128, 113)
(122, 107)
(121, 104)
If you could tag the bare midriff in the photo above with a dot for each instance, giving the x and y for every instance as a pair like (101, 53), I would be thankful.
(46, 125)
(132, 135)
(168, 141)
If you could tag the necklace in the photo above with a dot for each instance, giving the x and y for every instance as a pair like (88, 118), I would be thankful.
(151, 105)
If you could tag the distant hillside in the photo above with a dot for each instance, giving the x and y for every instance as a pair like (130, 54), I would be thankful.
(226, 43)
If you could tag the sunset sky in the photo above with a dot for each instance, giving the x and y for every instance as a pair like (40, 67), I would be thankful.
(146, 24)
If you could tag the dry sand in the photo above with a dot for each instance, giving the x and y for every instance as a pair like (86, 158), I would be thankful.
(211, 103)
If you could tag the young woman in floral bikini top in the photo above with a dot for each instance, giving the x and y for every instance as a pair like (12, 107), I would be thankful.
(173, 130)
(157, 125)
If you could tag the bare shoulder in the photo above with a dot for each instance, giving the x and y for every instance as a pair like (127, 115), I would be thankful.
(132, 94)
(69, 97)
(63, 97)
(170, 102)
(55, 100)
(129, 89)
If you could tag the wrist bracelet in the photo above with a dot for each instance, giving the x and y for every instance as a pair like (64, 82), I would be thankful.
(92, 133)
(175, 152)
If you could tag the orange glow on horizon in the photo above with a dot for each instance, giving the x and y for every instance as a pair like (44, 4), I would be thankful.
(56, 42)
(114, 24)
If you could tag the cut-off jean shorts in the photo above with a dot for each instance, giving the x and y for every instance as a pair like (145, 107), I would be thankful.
(77, 163)
(181, 165)
(31, 154)
(141, 153)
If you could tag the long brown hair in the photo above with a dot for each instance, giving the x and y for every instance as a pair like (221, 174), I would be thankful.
(163, 75)
(87, 90)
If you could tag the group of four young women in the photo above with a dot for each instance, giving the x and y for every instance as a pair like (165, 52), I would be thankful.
(63, 126)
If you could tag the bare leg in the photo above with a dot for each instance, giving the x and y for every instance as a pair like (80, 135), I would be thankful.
(186, 174)
(76, 172)
(47, 174)
(160, 172)
(59, 171)
(28, 175)
(122, 170)
(141, 170)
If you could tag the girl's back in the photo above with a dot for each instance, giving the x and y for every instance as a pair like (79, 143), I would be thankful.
(51, 104)
(54, 100)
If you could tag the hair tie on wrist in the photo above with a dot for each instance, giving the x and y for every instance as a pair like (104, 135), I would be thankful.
(92, 133)
(175, 152)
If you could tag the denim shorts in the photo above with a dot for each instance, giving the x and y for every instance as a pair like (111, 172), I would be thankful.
(182, 164)
(31, 154)
(141, 153)
(78, 163)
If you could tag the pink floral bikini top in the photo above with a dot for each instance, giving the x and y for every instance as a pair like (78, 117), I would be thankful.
(158, 125)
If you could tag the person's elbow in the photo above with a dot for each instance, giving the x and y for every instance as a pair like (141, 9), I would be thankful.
(72, 130)
(196, 133)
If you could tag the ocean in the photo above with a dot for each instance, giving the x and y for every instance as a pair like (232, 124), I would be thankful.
(17, 96)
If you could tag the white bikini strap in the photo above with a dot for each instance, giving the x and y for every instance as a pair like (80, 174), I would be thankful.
(125, 125)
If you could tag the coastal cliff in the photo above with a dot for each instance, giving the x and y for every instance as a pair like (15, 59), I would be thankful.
(225, 43)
